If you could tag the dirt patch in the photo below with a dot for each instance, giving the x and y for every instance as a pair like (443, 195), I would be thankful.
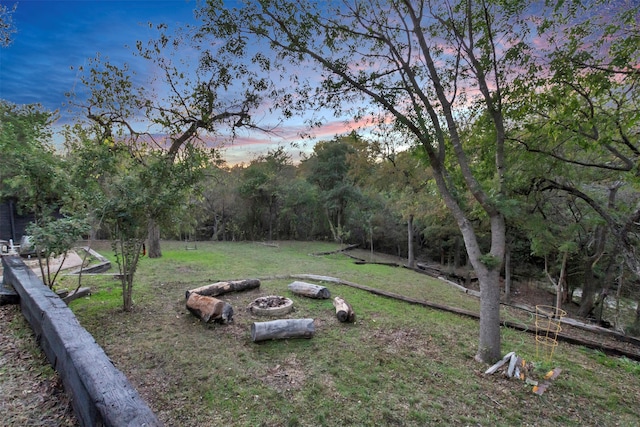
(397, 341)
(285, 377)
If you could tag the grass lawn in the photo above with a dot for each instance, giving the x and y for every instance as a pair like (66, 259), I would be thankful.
(399, 364)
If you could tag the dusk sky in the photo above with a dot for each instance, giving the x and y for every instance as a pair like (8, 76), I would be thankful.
(55, 37)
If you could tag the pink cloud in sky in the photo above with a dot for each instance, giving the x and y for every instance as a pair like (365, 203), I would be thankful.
(249, 145)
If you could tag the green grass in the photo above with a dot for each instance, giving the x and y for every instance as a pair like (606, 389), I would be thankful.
(399, 364)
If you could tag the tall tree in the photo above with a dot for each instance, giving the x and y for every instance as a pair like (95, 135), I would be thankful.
(424, 65)
(120, 189)
(178, 107)
(29, 166)
(301, 216)
(264, 183)
(33, 175)
(329, 171)
(409, 186)
(220, 202)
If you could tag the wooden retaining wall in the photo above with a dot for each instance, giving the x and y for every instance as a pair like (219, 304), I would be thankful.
(101, 394)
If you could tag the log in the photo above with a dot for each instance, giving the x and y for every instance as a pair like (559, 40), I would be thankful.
(78, 293)
(209, 309)
(220, 288)
(388, 264)
(309, 290)
(282, 328)
(344, 311)
(337, 251)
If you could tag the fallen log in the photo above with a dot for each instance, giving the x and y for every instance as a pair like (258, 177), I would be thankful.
(282, 328)
(209, 309)
(309, 290)
(337, 251)
(93, 269)
(220, 288)
(388, 264)
(344, 311)
(78, 293)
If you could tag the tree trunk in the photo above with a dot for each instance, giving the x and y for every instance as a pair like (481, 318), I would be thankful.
(209, 309)
(507, 275)
(153, 237)
(282, 328)
(489, 340)
(619, 281)
(604, 293)
(309, 290)
(411, 261)
(588, 290)
(127, 292)
(220, 288)
(271, 220)
(128, 257)
(344, 311)
(489, 350)
(562, 281)
(590, 281)
(371, 238)
(334, 232)
(457, 259)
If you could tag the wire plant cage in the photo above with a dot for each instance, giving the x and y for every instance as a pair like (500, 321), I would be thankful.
(548, 319)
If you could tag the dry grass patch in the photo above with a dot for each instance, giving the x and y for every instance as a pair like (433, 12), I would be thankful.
(31, 393)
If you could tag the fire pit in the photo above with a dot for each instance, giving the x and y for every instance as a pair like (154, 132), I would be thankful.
(271, 305)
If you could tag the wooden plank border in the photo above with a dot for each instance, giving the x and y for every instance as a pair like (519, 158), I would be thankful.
(101, 394)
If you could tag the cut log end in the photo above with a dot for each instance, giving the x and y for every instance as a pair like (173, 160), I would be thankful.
(209, 309)
(344, 311)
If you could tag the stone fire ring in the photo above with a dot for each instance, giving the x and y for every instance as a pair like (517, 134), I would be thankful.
(271, 305)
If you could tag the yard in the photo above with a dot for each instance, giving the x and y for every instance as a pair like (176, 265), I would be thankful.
(398, 364)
